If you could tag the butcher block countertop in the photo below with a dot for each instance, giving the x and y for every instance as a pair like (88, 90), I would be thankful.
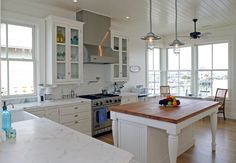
(151, 109)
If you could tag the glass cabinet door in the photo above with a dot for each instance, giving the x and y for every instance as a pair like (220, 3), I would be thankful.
(116, 45)
(116, 71)
(124, 58)
(120, 45)
(74, 50)
(60, 52)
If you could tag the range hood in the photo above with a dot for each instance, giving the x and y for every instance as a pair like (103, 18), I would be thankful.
(91, 55)
(96, 38)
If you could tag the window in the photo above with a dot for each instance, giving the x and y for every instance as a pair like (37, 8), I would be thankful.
(179, 71)
(153, 73)
(212, 68)
(17, 60)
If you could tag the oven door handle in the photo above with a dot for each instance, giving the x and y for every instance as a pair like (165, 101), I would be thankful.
(97, 116)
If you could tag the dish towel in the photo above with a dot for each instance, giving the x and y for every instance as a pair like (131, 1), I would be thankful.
(102, 115)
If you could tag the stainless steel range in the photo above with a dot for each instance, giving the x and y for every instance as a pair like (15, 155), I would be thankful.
(101, 121)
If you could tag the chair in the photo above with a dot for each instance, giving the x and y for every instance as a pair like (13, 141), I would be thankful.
(220, 97)
(164, 91)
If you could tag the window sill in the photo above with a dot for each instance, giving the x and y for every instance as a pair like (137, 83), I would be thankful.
(20, 100)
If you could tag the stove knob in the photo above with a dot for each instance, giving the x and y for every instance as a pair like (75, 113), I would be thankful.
(101, 103)
(110, 100)
(96, 103)
(115, 100)
(119, 100)
(107, 101)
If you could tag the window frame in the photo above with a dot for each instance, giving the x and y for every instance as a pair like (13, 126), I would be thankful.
(154, 71)
(180, 70)
(212, 66)
(33, 60)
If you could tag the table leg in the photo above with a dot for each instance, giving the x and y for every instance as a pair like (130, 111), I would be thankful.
(173, 147)
(213, 118)
(115, 132)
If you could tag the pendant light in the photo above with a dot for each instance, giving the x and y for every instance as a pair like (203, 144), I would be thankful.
(176, 43)
(150, 37)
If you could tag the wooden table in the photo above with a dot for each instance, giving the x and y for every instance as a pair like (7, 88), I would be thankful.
(136, 127)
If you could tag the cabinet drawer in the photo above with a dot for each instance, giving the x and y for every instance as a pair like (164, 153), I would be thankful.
(75, 109)
(75, 117)
(83, 126)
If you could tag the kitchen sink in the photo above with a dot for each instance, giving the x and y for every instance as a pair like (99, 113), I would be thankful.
(20, 115)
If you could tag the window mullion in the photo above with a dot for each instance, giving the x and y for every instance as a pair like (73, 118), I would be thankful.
(8, 76)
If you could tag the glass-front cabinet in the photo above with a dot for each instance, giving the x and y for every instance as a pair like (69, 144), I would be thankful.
(64, 50)
(120, 48)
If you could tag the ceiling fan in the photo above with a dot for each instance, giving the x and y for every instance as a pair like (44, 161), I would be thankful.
(195, 34)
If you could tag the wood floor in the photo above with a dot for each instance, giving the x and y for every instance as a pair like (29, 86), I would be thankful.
(201, 152)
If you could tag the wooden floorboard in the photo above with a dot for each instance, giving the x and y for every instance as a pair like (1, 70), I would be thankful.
(201, 152)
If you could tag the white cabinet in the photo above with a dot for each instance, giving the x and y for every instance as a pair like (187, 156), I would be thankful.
(64, 50)
(47, 112)
(37, 112)
(119, 71)
(77, 117)
(129, 98)
(52, 114)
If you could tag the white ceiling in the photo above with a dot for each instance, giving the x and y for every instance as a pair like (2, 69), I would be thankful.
(211, 13)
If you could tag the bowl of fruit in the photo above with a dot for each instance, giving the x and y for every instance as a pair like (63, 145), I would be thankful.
(169, 101)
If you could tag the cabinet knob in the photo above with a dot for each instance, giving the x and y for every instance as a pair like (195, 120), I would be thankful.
(76, 122)
(68, 73)
(76, 108)
(76, 116)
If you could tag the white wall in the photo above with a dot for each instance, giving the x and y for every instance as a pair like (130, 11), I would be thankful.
(35, 9)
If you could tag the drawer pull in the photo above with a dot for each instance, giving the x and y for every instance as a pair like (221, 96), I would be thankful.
(76, 116)
(76, 108)
(76, 122)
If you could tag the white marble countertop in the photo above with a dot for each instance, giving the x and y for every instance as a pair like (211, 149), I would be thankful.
(44, 141)
(48, 103)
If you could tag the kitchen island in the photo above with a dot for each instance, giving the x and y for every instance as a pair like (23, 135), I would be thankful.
(156, 134)
(44, 141)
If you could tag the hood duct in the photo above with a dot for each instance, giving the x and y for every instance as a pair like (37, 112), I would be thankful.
(96, 38)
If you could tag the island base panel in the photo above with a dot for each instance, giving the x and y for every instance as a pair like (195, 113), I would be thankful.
(150, 145)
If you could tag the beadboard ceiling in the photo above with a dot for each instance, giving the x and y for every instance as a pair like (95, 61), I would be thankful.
(211, 13)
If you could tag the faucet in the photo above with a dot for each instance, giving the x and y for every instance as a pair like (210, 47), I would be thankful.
(72, 93)
(12, 106)
(116, 88)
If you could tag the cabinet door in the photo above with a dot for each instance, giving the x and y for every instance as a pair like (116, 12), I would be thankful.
(120, 47)
(52, 114)
(61, 53)
(74, 54)
(124, 58)
(38, 113)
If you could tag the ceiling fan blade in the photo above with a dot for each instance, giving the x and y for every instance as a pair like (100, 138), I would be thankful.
(184, 36)
(206, 34)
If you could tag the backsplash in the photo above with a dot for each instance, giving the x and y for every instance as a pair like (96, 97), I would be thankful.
(98, 79)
